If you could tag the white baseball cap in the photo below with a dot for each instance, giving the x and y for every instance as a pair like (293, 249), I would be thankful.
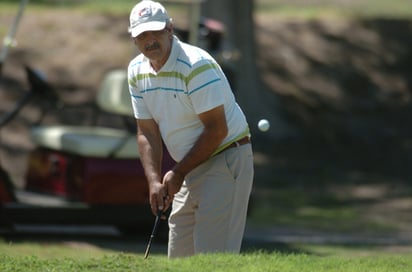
(147, 16)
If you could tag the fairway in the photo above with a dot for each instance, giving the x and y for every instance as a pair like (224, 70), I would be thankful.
(71, 253)
(253, 262)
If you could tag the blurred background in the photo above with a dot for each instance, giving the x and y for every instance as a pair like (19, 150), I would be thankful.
(332, 77)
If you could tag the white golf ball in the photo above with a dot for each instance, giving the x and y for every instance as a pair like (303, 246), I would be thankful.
(263, 125)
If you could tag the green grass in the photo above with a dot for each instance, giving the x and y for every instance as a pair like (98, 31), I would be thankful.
(119, 7)
(63, 256)
(253, 262)
(295, 8)
(336, 8)
(288, 206)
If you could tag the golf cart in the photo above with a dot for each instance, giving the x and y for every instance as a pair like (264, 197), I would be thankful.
(80, 174)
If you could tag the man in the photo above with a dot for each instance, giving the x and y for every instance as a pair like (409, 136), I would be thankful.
(181, 96)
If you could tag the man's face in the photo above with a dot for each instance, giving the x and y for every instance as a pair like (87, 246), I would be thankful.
(155, 45)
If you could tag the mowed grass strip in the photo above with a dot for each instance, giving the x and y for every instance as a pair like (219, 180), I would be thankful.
(295, 8)
(258, 261)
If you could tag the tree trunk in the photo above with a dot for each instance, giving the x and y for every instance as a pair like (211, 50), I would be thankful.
(256, 101)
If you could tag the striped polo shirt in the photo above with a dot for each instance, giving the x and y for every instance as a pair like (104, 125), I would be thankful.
(191, 82)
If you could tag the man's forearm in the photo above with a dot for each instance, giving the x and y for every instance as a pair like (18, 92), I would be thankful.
(151, 153)
(215, 131)
(201, 151)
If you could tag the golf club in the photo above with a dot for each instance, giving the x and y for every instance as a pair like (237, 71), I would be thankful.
(154, 232)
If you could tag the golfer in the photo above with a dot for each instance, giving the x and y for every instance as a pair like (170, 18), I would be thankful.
(180, 96)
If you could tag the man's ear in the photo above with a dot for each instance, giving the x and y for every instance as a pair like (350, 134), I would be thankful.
(170, 30)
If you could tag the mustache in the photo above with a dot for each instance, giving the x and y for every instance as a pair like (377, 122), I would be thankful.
(154, 45)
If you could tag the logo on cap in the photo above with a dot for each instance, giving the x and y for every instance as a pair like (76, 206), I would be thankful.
(145, 12)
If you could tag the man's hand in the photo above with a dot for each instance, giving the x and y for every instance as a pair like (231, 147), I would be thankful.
(172, 181)
(158, 197)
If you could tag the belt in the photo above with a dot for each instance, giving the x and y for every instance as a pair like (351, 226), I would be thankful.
(243, 141)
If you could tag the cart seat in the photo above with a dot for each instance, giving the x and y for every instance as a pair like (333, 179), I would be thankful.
(114, 97)
(87, 141)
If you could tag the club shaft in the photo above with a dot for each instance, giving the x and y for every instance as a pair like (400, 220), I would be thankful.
(149, 245)
(154, 231)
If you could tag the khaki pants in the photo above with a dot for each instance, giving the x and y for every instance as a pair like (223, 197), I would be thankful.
(209, 212)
